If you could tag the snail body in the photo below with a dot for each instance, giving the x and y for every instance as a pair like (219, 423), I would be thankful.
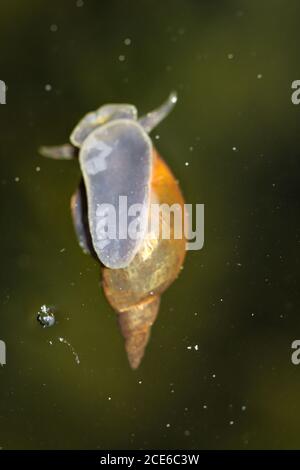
(117, 159)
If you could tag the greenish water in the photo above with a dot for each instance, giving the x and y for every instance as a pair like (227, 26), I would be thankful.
(232, 63)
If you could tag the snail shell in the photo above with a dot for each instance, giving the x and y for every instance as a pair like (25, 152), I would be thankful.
(134, 292)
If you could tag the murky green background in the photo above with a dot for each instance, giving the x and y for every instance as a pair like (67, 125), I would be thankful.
(232, 63)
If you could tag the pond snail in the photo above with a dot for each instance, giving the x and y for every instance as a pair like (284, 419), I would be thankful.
(117, 161)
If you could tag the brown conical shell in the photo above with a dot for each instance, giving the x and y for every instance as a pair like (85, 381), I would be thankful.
(134, 292)
(135, 324)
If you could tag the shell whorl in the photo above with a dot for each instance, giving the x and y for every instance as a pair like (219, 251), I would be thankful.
(135, 324)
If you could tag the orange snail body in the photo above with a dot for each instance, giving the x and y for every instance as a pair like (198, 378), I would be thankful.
(134, 292)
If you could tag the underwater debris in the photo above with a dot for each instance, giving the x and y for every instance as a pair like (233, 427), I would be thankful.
(74, 353)
(46, 316)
